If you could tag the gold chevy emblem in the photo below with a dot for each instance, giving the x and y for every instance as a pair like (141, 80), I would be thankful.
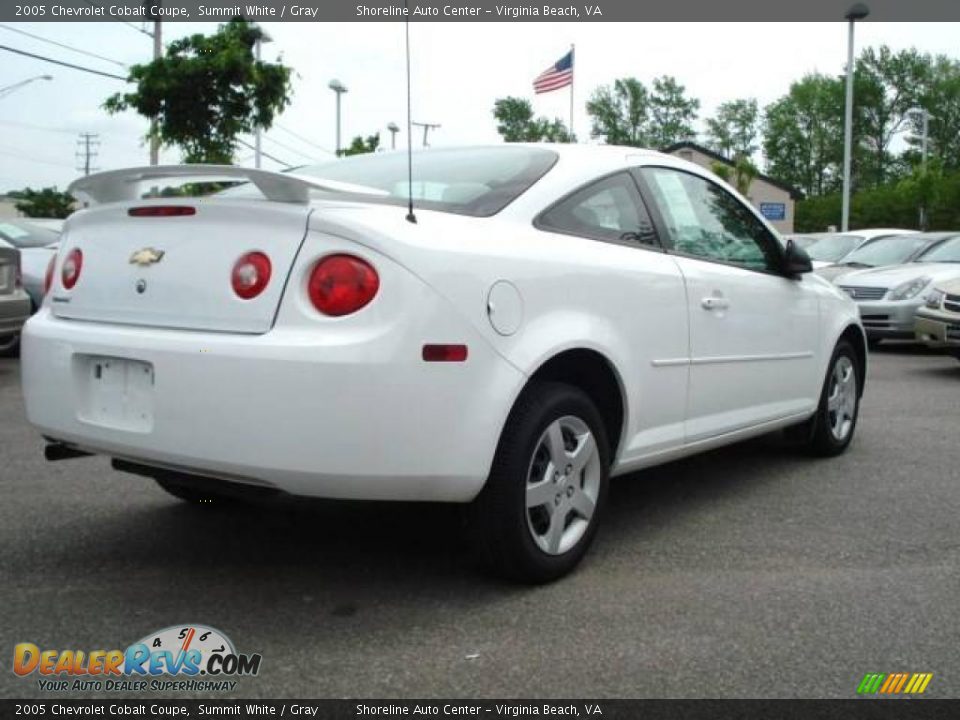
(146, 256)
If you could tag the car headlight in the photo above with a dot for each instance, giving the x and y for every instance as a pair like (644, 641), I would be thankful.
(935, 299)
(909, 289)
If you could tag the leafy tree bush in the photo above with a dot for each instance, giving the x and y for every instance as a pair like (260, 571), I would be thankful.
(46, 203)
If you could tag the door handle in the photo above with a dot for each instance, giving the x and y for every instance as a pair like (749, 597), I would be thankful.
(714, 303)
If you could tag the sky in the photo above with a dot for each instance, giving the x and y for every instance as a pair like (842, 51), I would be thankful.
(458, 70)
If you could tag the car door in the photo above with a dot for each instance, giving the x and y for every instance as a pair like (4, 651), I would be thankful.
(638, 302)
(753, 330)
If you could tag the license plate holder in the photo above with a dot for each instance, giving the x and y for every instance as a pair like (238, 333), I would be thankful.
(116, 392)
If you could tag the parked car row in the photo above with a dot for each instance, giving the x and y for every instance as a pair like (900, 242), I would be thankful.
(906, 285)
(26, 249)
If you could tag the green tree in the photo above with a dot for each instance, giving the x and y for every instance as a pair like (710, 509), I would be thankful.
(740, 174)
(621, 113)
(672, 113)
(803, 134)
(516, 123)
(886, 86)
(941, 97)
(206, 90)
(733, 130)
(360, 145)
(46, 203)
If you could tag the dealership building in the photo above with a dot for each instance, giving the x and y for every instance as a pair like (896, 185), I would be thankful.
(774, 199)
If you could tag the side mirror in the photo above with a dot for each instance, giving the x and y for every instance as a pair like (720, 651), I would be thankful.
(795, 260)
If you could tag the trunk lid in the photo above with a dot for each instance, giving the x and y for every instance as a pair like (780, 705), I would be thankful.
(175, 271)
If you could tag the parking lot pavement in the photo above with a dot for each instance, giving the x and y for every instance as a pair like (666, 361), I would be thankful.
(749, 571)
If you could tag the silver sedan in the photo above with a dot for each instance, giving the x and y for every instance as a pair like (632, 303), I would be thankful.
(14, 302)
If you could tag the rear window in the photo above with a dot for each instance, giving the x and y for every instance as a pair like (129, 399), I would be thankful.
(26, 235)
(466, 181)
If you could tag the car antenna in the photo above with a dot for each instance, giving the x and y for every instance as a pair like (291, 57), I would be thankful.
(410, 216)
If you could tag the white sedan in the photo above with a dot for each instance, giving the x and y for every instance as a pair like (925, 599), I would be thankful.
(548, 316)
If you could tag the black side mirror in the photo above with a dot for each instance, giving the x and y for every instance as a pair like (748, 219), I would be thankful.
(795, 260)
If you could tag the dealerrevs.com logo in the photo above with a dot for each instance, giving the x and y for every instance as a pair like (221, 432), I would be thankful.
(181, 657)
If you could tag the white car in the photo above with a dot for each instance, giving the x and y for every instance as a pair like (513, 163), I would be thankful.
(549, 316)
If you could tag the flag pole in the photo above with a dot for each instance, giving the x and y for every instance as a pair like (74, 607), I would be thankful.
(572, 73)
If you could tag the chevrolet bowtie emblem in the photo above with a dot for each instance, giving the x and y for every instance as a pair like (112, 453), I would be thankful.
(146, 256)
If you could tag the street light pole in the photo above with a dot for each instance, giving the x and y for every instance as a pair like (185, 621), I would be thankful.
(924, 142)
(262, 37)
(339, 88)
(394, 129)
(856, 12)
(6, 90)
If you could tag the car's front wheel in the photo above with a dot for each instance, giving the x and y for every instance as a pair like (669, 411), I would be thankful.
(538, 513)
(836, 417)
(9, 346)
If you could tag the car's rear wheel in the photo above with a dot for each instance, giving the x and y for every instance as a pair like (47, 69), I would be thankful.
(538, 513)
(836, 417)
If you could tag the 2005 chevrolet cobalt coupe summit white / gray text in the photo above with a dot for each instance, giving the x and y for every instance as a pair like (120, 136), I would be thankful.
(549, 317)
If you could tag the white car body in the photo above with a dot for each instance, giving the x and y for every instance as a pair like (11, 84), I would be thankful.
(270, 392)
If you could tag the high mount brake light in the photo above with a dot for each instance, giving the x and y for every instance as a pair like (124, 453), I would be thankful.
(162, 211)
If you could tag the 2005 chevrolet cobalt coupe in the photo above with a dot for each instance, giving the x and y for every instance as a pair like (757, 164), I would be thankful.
(546, 318)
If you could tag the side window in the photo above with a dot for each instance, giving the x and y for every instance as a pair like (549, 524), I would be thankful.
(609, 209)
(704, 220)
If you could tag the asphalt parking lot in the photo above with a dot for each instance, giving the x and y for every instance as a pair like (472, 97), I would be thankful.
(746, 572)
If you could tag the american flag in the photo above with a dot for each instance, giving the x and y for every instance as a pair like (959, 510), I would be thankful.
(558, 75)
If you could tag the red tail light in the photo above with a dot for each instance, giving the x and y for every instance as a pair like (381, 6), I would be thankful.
(161, 211)
(70, 272)
(48, 278)
(342, 284)
(251, 274)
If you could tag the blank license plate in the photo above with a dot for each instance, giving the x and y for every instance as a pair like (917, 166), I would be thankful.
(118, 392)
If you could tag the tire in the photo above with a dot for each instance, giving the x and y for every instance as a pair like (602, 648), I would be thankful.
(873, 343)
(194, 495)
(546, 540)
(836, 418)
(10, 346)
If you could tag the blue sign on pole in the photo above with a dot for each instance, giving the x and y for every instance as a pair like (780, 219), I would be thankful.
(774, 211)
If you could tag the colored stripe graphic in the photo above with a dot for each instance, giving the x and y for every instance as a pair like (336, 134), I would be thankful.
(894, 683)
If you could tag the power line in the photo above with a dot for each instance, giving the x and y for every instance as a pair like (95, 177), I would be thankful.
(303, 139)
(290, 149)
(62, 45)
(271, 157)
(28, 126)
(61, 62)
(128, 24)
(29, 158)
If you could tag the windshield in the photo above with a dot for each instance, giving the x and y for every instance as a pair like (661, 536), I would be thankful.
(833, 247)
(26, 235)
(467, 181)
(948, 251)
(887, 251)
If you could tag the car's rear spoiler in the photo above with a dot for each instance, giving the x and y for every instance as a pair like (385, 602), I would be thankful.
(129, 184)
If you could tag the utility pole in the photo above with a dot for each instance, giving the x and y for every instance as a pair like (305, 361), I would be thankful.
(152, 7)
(339, 88)
(394, 129)
(88, 142)
(858, 11)
(427, 127)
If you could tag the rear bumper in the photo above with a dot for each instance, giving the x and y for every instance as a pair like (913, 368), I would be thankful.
(14, 311)
(365, 419)
(889, 320)
(938, 330)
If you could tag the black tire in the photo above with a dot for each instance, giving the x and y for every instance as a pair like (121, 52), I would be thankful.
(501, 526)
(823, 440)
(10, 346)
(194, 495)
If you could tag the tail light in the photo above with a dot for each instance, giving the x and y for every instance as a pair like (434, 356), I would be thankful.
(48, 277)
(70, 272)
(342, 284)
(251, 274)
